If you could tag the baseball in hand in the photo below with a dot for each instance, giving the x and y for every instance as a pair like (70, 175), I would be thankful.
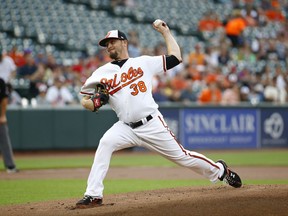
(158, 22)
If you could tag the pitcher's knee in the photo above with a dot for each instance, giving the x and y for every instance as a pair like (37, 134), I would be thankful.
(107, 144)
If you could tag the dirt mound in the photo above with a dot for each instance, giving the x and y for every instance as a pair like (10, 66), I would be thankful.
(214, 200)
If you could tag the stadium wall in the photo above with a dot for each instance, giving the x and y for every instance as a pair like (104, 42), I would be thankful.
(196, 127)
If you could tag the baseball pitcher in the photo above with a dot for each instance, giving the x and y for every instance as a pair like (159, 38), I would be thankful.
(126, 84)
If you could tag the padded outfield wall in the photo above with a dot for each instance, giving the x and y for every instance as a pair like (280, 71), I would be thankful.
(197, 127)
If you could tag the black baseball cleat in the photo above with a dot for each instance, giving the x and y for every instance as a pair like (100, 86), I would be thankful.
(89, 202)
(229, 176)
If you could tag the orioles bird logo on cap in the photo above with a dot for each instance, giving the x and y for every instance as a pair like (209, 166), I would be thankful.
(107, 35)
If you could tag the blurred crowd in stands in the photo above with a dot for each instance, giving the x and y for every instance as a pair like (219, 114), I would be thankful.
(217, 71)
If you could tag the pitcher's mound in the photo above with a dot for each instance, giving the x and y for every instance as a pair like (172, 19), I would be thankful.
(213, 200)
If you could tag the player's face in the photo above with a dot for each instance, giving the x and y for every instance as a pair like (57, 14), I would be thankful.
(115, 48)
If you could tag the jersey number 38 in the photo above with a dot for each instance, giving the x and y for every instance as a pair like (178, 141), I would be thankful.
(140, 86)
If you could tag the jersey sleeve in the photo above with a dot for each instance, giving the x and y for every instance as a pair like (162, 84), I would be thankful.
(157, 64)
(89, 86)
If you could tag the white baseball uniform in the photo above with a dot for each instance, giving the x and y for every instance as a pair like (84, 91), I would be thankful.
(130, 89)
(7, 66)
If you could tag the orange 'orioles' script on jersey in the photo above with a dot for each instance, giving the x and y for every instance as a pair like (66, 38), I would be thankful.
(126, 78)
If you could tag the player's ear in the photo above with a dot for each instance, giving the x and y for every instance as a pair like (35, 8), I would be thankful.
(125, 43)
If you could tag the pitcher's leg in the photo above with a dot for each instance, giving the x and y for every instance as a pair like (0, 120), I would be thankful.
(159, 138)
(189, 159)
(118, 137)
(6, 147)
(99, 169)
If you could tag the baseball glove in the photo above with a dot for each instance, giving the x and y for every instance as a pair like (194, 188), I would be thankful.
(101, 96)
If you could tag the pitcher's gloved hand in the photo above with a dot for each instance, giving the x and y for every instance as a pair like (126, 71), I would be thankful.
(100, 98)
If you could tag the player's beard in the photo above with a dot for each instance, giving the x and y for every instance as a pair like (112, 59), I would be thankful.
(114, 55)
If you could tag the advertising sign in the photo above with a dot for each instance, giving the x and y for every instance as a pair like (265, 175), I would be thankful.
(274, 128)
(219, 128)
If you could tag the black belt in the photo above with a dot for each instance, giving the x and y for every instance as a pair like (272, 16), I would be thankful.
(134, 125)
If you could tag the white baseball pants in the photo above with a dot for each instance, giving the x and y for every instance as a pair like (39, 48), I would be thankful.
(155, 136)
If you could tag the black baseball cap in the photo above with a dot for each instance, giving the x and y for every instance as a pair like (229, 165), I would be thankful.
(113, 34)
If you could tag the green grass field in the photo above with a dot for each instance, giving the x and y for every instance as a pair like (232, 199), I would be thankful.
(235, 158)
(22, 190)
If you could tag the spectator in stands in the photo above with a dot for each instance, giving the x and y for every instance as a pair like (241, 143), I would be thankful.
(275, 14)
(194, 72)
(93, 62)
(266, 74)
(17, 56)
(80, 68)
(224, 80)
(197, 56)
(244, 76)
(29, 68)
(244, 93)
(188, 94)
(178, 83)
(280, 80)
(99, 58)
(159, 88)
(196, 61)
(209, 22)
(259, 81)
(32, 72)
(211, 56)
(40, 58)
(224, 55)
(234, 29)
(231, 95)
(58, 94)
(245, 54)
(256, 95)
(41, 97)
(211, 94)
(273, 94)
(51, 61)
(79, 65)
